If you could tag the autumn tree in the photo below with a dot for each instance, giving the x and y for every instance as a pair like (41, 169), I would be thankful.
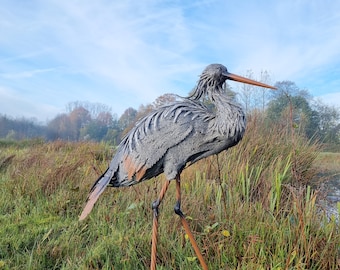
(79, 118)
(127, 120)
(254, 97)
(164, 100)
(59, 128)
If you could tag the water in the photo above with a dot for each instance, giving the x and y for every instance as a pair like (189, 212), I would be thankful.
(331, 202)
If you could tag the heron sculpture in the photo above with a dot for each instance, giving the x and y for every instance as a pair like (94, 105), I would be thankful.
(173, 137)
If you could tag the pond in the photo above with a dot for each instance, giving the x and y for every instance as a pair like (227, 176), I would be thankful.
(331, 201)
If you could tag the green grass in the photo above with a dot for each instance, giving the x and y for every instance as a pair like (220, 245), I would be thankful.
(249, 208)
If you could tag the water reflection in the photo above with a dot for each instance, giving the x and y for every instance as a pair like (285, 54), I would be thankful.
(331, 202)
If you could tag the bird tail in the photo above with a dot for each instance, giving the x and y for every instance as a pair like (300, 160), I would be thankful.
(97, 189)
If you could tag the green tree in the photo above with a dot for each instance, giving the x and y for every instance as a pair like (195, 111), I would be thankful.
(328, 122)
(94, 130)
(290, 107)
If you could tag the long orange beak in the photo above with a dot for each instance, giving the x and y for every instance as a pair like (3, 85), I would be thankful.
(237, 78)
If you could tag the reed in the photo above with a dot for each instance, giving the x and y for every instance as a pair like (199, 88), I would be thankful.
(250, 208)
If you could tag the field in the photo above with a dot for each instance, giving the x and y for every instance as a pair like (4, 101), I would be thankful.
(250, 207)
(328, 162)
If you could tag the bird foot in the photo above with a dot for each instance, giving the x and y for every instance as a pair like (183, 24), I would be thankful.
(178, 210)
(154, 207)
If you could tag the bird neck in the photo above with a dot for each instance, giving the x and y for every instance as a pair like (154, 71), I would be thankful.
(225, 104)
(228, 114)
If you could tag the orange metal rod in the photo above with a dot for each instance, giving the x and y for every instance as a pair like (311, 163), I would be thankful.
(155, 225)
(187, 228)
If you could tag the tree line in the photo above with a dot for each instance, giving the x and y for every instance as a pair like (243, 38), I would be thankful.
(289, 106)
(83, 120)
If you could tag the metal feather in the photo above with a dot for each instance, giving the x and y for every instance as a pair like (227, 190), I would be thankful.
(177, 135)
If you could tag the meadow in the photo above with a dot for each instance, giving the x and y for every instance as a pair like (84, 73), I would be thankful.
(251, 207)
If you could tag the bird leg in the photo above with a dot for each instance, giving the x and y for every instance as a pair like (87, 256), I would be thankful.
(155, 209)
(185, 224)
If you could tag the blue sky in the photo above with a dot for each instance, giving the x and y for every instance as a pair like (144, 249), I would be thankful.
(127, 53)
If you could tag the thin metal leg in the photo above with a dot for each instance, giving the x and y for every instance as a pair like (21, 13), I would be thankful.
(185, 224)
(155, 209)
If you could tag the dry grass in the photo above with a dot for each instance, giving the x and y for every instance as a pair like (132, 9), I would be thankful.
(249, 208)
(328, 162)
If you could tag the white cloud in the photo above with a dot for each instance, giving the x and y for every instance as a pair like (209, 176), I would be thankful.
(140, 50)
(26, 73)
(11, 101)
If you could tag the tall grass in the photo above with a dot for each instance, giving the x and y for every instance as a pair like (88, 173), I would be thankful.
(249, 208)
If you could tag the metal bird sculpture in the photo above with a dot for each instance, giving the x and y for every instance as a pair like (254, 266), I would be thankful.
(174, 136)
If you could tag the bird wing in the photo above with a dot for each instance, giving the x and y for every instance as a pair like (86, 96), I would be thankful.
(146, 144)
(151, 138)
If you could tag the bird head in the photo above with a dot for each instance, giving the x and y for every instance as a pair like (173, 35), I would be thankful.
(214, 74)
(213, 77)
